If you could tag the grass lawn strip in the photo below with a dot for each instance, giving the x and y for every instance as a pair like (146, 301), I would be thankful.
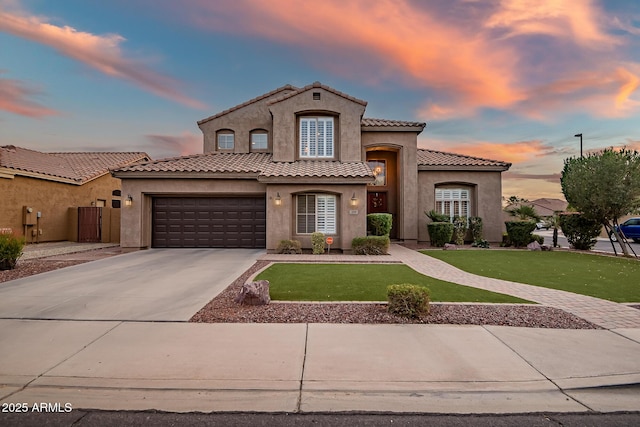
(363, 282)
(605, 277)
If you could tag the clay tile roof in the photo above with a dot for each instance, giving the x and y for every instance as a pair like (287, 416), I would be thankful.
(79, 167)
(208, 162)
(251, 101)
(442, 159)
(316, 85)
(317, 169)
(367, 122)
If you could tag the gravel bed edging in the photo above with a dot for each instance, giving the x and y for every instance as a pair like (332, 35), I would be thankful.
(223, 309)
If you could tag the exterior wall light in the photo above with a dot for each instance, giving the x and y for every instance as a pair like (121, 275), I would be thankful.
(354, 200)
(277, 201)
(128, 201)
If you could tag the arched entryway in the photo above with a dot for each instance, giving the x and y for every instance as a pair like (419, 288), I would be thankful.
(382, 195)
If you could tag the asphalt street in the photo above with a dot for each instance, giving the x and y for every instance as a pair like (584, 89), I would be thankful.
(602, 245)
(159, 419)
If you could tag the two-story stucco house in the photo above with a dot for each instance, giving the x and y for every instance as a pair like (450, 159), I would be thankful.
(298, 160)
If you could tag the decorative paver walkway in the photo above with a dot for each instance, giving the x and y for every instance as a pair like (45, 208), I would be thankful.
(606, 314)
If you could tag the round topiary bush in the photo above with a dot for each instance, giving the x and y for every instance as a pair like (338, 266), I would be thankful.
(440, 233)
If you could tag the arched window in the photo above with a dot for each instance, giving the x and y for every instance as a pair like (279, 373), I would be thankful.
(316, 137)
(453, 202)
(226, 139)
(259, 140)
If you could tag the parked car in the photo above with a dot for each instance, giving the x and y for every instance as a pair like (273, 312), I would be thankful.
(542, 225)
(631, 229)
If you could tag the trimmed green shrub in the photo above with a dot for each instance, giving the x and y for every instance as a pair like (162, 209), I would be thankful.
(506, 241)
(581, 233)
(379, 224)
(436, 216)
(10, 250)
(440, 233)
(317, 242)
(289, 247)
(370, 245)
(520, 232)
(459, 229)
(408, 300)
(475, 225)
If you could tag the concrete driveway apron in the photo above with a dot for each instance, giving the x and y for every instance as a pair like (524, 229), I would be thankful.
(150, 285)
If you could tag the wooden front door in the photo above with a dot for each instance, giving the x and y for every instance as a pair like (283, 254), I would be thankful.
(377, 202)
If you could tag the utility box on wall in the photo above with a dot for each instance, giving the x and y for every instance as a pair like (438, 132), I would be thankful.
(28, 216)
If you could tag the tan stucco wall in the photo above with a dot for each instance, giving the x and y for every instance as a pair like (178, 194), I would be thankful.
(352, 221)
(242, 121)
(485, 203)
(347, 125)
(405, 143)
(136, 219)
(53, 200)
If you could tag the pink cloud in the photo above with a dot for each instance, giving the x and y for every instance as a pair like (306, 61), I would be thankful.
(603, 93)
(566, 19)
(550, 177)
(176, 145)
(101, 52)
(14, 98)
(512, 152)
(375, 40)
(469, 54)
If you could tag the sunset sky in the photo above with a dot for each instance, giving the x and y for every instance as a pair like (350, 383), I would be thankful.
(511, 80)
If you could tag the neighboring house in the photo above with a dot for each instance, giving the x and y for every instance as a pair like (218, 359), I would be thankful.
(544, 207)
(298, 160)
(547, 207)
(41, 194)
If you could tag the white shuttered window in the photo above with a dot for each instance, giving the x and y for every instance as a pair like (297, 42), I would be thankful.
(316, 212)
(316, 137)
(453, 202)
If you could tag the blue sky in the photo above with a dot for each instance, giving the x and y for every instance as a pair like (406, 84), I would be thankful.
(512, 80)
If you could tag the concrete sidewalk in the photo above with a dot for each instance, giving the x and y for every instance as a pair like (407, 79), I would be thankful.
(183, 367)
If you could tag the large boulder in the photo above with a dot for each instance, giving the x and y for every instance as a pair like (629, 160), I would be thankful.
(534, 246)
(254, 293)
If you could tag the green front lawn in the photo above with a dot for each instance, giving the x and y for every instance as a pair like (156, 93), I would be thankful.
(363, 282)
(614, 279)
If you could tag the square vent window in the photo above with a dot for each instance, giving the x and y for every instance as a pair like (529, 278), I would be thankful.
(316, 96)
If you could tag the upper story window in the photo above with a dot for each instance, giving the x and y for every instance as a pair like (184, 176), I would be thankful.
(226, 140)
(316, 137)
(259, 140)
(453, 202)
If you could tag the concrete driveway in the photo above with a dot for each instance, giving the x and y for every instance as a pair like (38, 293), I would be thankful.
(156, 284)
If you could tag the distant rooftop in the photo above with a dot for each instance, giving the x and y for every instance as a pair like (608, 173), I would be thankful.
(72, 167)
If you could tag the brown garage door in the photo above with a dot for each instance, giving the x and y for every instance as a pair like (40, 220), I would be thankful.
(209, 222)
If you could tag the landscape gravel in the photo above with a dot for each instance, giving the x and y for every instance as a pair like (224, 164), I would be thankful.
(223, 309)
(29, 267)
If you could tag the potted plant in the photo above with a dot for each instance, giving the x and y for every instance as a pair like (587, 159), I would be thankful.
(10, 251)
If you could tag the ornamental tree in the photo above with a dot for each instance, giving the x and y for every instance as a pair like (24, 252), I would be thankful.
(604, 186)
